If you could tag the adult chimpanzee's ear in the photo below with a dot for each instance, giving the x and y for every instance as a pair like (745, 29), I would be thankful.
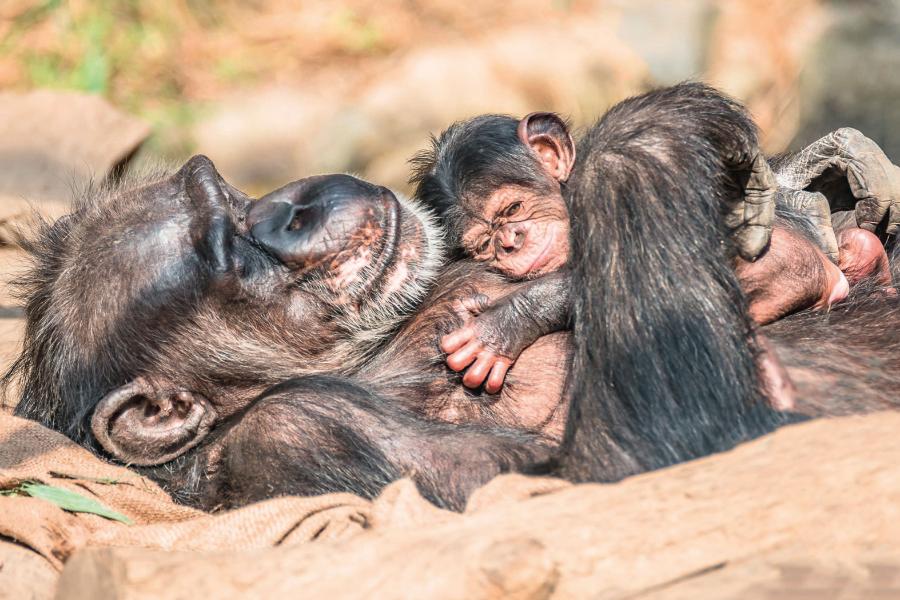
(145, 424)
(548, 136)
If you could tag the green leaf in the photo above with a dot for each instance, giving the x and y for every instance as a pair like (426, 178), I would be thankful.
(71, 501)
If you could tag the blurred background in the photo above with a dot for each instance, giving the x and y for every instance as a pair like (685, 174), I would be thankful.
(276, 89)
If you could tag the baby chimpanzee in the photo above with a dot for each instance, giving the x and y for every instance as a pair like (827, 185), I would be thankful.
(512, 216)
(498, 185)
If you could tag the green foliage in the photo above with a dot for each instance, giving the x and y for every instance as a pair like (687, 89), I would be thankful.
(121, 49)
(68, 500)
(86, 65)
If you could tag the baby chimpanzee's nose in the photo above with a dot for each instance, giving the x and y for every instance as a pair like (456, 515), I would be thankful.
(311, 220)
(510, 238)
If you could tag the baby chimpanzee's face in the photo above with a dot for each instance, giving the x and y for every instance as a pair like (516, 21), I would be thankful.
(520, 232)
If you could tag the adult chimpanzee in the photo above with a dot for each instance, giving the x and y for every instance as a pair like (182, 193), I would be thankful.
(238, 350)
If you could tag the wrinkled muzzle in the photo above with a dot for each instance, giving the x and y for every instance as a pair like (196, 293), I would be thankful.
(309, 221)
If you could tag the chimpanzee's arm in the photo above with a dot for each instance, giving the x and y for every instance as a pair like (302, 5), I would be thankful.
(499, 332)
(321, 434)
(517, 320)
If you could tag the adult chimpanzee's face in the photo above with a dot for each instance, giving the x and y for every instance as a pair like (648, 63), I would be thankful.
(177, 302)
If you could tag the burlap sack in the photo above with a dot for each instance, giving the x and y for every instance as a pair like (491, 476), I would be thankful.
(30, 452)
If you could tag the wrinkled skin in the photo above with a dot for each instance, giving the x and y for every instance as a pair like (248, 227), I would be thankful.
(521, 231)
(495, 334)
(850, 172)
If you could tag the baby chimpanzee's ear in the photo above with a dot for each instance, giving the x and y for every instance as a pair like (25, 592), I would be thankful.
(143, 423)
(548, 136)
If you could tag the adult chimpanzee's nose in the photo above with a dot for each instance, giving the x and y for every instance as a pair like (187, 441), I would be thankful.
(510, 238)
(308, 221)
(211, 227)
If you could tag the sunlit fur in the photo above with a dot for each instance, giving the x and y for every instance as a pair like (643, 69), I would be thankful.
(665, 365)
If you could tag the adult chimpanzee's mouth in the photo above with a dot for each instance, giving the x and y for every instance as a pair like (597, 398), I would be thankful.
(338, 223)
(415, 257)
(369, 247)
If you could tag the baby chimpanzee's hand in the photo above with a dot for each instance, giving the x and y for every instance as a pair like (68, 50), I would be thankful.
(492, 338)
(494, 335)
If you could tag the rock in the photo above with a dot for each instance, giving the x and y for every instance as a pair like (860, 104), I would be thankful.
(260, 139)
(51, 140)
(808, 510)
(756, 51)
(670, 36)
(852, 76)
(52, 143)
(578, 69)
(24, 574)
(808, 67)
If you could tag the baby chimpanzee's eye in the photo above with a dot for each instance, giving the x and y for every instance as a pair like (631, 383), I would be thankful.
(484, 246)
(512, 209)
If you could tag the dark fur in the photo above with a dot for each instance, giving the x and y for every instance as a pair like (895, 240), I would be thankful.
(847, 360)
(665, 364)
(337, 435)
